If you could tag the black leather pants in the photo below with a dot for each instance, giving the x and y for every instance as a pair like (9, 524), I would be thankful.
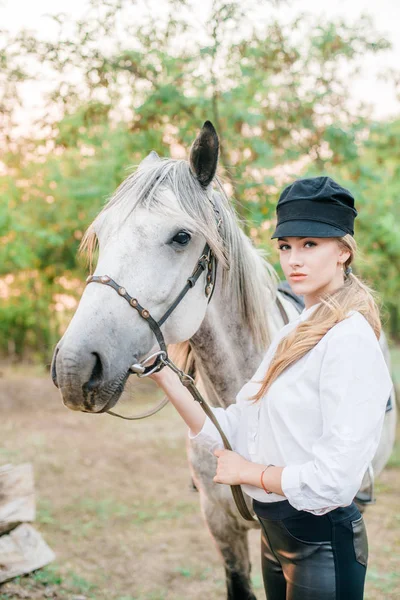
(309, 557)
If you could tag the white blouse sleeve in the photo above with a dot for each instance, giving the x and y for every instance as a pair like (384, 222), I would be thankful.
(355, 385)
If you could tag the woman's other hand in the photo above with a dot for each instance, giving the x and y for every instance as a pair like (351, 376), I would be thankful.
(230, 467)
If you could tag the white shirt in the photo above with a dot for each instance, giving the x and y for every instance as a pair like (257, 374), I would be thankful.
(321, 419)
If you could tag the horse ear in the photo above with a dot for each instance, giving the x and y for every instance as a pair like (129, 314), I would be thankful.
(150, 159)
(204, 154)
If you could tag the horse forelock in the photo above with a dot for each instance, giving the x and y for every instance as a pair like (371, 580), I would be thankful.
(247, 277)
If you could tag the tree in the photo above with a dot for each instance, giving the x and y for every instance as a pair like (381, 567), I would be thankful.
(279, 106)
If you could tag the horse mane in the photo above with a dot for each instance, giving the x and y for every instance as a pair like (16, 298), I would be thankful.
(247, 277)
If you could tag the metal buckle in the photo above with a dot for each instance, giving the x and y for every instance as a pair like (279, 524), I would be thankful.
(138, 368)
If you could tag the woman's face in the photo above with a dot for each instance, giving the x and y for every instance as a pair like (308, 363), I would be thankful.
(312, 266)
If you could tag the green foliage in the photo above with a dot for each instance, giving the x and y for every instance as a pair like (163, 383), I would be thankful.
(278, 105)
(48, 582)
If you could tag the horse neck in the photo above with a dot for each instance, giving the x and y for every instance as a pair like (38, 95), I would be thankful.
(224, 351)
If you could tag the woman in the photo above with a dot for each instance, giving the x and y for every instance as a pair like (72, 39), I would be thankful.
(308, 423)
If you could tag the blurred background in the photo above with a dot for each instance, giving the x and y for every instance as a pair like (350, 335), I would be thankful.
(87, 89)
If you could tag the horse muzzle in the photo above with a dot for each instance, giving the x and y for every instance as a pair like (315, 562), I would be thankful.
(82, 383)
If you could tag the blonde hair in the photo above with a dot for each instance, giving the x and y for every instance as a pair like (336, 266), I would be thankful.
(334, 307)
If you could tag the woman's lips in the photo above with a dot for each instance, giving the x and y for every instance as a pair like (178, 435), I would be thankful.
(296, 276)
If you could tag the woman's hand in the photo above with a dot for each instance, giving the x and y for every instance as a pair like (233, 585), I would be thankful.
(230, 468)
(181, 398)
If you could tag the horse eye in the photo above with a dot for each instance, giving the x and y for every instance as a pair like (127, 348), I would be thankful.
(182, 238)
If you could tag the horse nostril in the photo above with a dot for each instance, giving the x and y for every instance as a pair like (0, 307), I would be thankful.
(96, 376)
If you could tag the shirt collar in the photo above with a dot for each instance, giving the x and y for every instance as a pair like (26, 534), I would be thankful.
(308, 311)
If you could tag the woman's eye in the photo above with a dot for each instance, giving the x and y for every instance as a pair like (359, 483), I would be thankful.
(286, 246)
(182, 238)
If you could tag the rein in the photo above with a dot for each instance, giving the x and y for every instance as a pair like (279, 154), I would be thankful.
(207, 261)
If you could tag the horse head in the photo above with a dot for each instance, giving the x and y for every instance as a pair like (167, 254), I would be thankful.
(149, 237)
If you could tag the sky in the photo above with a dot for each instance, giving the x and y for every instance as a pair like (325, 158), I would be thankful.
(18, 14)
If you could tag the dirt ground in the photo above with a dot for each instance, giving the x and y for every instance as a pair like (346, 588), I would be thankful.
(115, 503)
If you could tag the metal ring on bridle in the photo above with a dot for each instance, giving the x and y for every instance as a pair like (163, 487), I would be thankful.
(140, 373)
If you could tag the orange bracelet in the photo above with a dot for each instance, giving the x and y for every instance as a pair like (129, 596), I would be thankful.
(261, 479)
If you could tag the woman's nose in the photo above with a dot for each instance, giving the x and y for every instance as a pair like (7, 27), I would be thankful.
(295, 259)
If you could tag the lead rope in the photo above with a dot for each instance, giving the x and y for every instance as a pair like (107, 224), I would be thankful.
(143, 415)
(188, 382)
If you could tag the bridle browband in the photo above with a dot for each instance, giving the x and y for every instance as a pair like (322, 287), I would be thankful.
(207, 261)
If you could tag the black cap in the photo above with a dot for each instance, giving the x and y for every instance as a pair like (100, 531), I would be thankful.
(315, 207)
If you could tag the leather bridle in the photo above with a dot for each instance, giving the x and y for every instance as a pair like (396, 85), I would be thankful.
(207, 261)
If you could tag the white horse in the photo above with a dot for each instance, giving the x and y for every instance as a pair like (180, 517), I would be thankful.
(150, 236)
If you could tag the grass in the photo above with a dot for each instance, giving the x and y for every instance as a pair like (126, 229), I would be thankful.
(48, 583)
